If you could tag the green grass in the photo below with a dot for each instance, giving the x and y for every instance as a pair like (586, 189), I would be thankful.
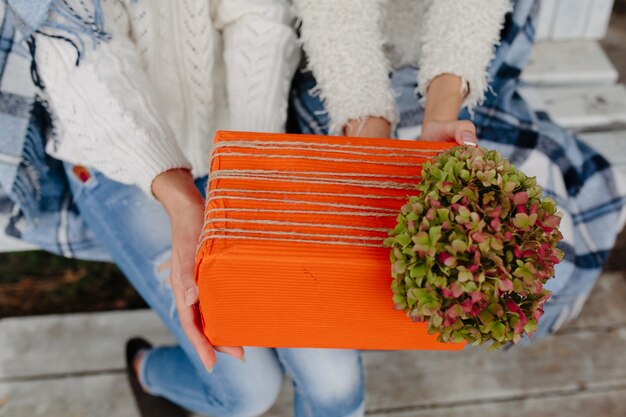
(40, 283)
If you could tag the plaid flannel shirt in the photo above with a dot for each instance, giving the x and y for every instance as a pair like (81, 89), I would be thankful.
(35, 199)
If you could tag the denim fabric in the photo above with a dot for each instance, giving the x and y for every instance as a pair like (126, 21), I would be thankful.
(135, 231)
(587, 190)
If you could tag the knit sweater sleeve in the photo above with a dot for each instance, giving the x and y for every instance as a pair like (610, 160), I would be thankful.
(261, 54)
(343, 40)
(459, 38)
(106, 114)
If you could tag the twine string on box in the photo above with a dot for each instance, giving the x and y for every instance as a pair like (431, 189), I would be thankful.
(312, 193)
(313, 158)
(280, 223)
(323, 212)
(230, 209)
(305, 202)
(325, 147)
(263, 175)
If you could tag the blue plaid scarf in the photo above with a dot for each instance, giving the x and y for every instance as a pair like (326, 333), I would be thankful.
(582, 182)
(34, 191)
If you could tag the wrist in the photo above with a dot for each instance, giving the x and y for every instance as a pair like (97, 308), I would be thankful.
(176, 190)
(369, 127)
(444, 98)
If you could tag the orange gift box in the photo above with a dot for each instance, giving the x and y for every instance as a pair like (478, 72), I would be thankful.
(292, 251)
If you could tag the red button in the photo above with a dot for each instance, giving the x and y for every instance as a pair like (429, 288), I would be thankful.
(81, 173)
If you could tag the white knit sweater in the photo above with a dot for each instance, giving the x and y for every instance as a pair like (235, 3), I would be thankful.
(175, 71)
(352, 45)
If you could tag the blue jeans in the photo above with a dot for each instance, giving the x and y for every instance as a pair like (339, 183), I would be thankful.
(135, 231)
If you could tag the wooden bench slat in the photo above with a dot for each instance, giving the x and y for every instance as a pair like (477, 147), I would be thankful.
(75, 365)
(60, 344)
(574, 63)
(89, 396)
(580, 107)
(598, 19)
(561, 363)
(402, 384)
(109, 396)
(545, 19)
(569, 19)
(95, 341)
(585, 404)
(573, 19)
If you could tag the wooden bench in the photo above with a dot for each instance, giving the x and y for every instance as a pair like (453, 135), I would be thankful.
(72, 365)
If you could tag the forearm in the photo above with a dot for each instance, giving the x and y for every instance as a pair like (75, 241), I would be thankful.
(106, 110)
(459, 38)
(344, 41)
(261, 54)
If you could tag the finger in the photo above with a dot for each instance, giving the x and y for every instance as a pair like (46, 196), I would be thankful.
(465, 133)
(190, 322)
(444, 131)
(187, 280)
(236, 352)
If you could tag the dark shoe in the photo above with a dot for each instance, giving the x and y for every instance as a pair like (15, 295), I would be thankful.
(149, 405)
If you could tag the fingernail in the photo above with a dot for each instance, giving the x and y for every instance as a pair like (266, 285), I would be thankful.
(210, 369)
(191, 296)
(468, 139)
(243, 359)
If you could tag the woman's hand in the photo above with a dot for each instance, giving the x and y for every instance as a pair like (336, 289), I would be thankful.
(461, 131)
(183, 202)
(443, 103)
(441, 123)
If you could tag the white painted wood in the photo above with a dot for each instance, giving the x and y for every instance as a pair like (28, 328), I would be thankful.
(94, 342)
(106, 395)
(61, 344)
(581, 106)
(570, 19)
(109, 396)
(546, 17)
(606, 305)
(72, 366)
(553, 370)
(554, 365)
(585, 404)
(90, 396)
(598, 19)
(572, 62)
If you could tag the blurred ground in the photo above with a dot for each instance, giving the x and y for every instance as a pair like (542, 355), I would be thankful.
(40, 283)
